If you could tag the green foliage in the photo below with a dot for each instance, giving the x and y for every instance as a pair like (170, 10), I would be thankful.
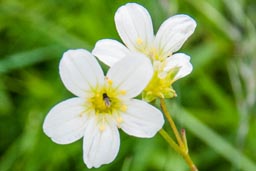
(216, 103)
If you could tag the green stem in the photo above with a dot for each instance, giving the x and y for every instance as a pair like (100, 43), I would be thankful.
(169, 140)
(178, 149)
(182, 148)
(171, 122)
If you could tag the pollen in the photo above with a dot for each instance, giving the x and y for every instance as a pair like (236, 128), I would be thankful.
(123, 108)
(123, 92)
(109, 81)
(139, 41)
(102, 127)
(119, 120)
(153, 54)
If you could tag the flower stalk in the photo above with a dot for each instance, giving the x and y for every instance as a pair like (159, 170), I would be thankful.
(171, 122)
(181, 147)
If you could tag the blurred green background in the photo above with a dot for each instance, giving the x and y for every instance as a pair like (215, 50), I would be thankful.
(216, 103)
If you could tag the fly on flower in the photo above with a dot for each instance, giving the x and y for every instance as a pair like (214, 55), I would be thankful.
(106, 99)
(135, 28)
(102, 105)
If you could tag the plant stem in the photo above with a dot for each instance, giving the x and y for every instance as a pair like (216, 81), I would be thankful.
(182, 148)
(169, 140)
(171, 122)
(178, 149)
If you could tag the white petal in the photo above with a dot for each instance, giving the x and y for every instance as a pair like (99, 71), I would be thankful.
(173, 33)
(109, 51)
(134, 26)
(100, 146)
(66, 121)
(131, 74)
(141, 119)
(80, 71)
(182, 61)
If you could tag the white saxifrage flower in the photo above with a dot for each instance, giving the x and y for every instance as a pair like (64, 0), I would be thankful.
(135, 28)
(103, 104)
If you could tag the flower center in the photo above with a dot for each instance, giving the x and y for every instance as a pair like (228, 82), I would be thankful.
(106, 100)
(160, 85)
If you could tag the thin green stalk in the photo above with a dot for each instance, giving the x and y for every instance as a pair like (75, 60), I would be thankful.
(178, 149)
(171, 122)
(182, 148)
(170, 141)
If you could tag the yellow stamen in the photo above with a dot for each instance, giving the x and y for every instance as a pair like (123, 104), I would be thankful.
(102, 127)
(123, 108)
(109, 81)
(123, 92)
(153, 54)
(119, 120)
(139, 41)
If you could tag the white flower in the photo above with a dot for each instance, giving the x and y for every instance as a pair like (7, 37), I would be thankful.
(103, 104)
(134, 26)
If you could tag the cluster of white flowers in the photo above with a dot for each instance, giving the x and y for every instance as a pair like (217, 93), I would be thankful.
(134, 26)
(105, 103)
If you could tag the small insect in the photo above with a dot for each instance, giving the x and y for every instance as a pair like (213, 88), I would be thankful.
(106, 99)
